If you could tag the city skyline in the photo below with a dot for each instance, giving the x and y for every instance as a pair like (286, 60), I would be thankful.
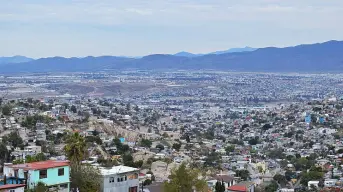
(135, 28)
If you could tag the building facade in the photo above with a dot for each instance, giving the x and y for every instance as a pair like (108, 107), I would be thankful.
(54, 174)
(119, 179)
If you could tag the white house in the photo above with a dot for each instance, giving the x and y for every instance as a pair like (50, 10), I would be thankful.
(119, 178)
(313, 183)
(330, 182)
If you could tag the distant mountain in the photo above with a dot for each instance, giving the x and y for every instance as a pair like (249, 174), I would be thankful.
(233, 50)
(61, 64)
(15, 59)
(320, 57)
(187, 54)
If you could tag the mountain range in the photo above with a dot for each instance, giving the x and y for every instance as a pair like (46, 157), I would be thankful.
(319, 57)
(14, 59)
(233, 50)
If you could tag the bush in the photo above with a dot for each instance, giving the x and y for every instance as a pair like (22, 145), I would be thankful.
(147, 182)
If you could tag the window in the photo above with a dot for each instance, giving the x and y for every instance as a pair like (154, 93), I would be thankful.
(133, 176)
(111, 179)
(125, 177)
(43, 174)
(64, 186)
(121, 179)
(118, 180)
(133, 189)
(61, 172)
(11, 190)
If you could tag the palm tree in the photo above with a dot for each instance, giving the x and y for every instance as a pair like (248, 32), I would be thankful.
(75, 148)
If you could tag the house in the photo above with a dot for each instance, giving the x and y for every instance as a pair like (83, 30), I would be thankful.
(312, 183)
(286, 190)
(226, 179)
(53, 173)
(12, 188)
(119, 178)
(242, 187)
(34, 149)
(330, 182)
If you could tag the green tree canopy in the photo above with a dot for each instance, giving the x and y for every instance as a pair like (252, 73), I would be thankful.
(184, 179)
(3, 152)
(160, 146)
(85, 177)
(271, 187)
(75, 148)
(311, 175)
(219, 187)
(230, 148)
(244, 174)
(177, 146)
(6, 110)
(13, 139)
(146, 143)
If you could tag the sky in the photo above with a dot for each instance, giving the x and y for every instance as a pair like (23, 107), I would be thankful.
(78, 28)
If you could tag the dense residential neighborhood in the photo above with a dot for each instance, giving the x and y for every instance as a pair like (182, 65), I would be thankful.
(198, 141)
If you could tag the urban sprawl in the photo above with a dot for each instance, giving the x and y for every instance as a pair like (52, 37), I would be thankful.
(180, 131)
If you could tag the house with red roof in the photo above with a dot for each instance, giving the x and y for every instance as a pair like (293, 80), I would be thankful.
(12, 188)
(242, 187)
(53, 173)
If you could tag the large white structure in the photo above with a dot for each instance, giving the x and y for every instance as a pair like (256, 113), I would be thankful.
(119, 179)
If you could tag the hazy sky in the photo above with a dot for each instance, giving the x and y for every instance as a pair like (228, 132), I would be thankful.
(42, 28)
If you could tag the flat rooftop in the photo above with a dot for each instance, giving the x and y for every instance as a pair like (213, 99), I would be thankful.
(117, 170)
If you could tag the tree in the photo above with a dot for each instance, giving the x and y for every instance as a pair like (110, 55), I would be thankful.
(185, 179)
(94, 139)
(85, 177)
(13, 139)
(280, 179)
(160, 146)
(40, 187)
(223, 189)
(128, 161)
(6, 110)
(128, 107)
(276, 154)
(272, 187)
(266, 127)
(309, 176)
(243, 174)
(75, 148)
(219, 187)
(146, 143)
(73, 109)
(230, 148)
(147, 182)
(177, 146)
(260, 169)
(188, 140)
(3, 153)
